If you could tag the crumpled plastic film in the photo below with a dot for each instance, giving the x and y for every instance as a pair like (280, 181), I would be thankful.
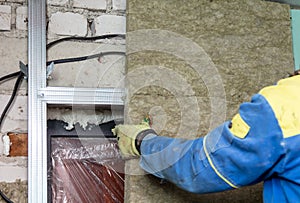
(86, 170)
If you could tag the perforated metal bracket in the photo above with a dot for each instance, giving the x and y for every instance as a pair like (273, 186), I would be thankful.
(24, 69)
(49, 70)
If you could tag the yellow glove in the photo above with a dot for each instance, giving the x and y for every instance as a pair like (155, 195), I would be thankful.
(126, 135)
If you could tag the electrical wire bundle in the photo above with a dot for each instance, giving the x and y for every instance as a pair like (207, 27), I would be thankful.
(20, 75)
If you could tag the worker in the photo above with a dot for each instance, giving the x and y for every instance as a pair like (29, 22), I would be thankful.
(260, 143)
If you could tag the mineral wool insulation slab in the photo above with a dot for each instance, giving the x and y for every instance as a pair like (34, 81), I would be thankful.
(190, 64)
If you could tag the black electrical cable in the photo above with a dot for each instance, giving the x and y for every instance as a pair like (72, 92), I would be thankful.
(83, 58)
(15, 90)
(12, 97)
(66, 60)
(49, 45)
(6, 199)
(10, 76)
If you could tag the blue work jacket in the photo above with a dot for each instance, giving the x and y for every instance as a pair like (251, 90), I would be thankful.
(260, 143)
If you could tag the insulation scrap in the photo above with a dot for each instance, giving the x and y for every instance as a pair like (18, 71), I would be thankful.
(83, 117)
(16, 191)
(6, 145)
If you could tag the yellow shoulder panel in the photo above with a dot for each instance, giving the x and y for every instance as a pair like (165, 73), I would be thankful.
(284, 98)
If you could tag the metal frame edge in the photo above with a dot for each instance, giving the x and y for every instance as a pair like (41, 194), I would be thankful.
(37, 142)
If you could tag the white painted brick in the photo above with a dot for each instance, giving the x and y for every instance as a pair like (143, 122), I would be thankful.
(12, 50)
(16, 1)
(18, 110)
(12, 173)
(119, 4)
(16, 117)
(21, 18)
(109, 24)
(5, 17)
(13, 168)
(68, 24)
(107, 71)
(91, 4)
(57, 2)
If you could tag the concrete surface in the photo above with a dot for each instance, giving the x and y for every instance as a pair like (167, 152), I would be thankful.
(215, 55)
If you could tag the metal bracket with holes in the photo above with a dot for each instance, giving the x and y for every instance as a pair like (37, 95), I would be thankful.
(24, 69)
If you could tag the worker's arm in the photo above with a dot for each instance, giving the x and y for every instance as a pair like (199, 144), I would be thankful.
(246, 150)
(241, 152)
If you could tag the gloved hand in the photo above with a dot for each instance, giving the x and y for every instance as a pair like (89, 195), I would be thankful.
(127, 137)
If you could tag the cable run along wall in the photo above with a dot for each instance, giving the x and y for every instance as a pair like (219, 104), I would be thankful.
(39, 95)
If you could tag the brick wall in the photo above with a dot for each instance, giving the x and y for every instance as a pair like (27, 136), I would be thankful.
(64, 18)
(86, 18)
(74, 17)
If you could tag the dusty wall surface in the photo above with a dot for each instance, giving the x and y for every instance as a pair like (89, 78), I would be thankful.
(198, 61)
(64, 18)
(13, 48)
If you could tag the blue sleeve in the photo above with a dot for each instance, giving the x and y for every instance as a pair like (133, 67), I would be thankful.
(237, 153)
